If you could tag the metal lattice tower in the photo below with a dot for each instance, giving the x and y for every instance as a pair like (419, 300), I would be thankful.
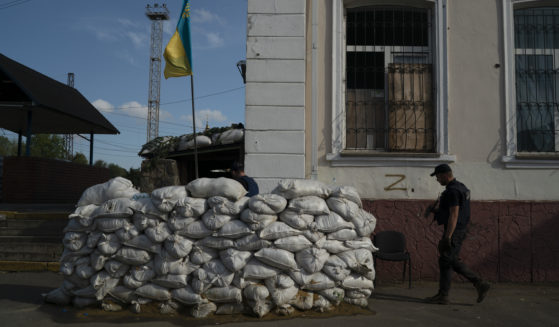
(69, 138)
(157, 14)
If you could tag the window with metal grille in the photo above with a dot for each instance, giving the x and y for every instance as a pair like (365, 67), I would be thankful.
(389, 88)
(536, 42)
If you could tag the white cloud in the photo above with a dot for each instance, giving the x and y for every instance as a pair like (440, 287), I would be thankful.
(212, 116)
(205, 16)
(138, 39)
(170, 26)
(214, 40)
(121, 30)
(103, 105)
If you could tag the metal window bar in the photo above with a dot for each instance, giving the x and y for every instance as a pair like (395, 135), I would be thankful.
(536, 32)
(389, 86)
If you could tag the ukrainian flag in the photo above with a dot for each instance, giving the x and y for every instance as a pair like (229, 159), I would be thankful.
(178, 56)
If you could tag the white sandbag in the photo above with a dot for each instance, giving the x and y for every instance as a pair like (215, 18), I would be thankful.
(115, 268)
(284, 310)
(127, 233)
(178, 223)
(302, 300)
(58, 296)
(154, 292)
(255, 269)
(312, 259)
(103, 283)
(278, 258)
(364, 222)
(97, 260)
(258, 226)
(146, 207)
(361, 261)
(159, 233)
(234, 229)
(142, 221)
(217, 273)
(123, 294)
(278, 230)
(313, 236)
(261, 308)
(230, 309)
(344, 207)
(231, 136)
(74, 240)
(223, 206)
(234, 260)
(77, 281)
(362, 243)
(202, 310)
(208, 187)
(93, 239)
(347, 192)
(311, 205)
(83, 214)
(132, 256)
(218, 243)
(321, 304)
(67, 268)
(293, 243)
(356, 282)
(343, 235)
(199, 255)
(114, 208)
(111, 307)
(200, 286)
(87, 292)
(196, 230)
(312, 282)
(85, 270)
(282, 296)
(165, 198)
(358, 302)
(363, 293)
(178, 246)
(279, 281)
(295, 219)
(251, 243)
(117, 187)
(332, 246)
(330, 223)
(295, 188)
(187, 142)
(108, 244)
(334, 295)
(69, 255)
(251, 217)
(191, 207)
(186, 295)
(224, 294)
(110, 225)
(143, 273)
(143, 242)
(171, 281)
(268, 204)
(74, 225)
(337, 273)
(215, 221)
(256, 292)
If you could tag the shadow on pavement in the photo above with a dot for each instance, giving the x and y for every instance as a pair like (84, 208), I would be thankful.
(403, 298)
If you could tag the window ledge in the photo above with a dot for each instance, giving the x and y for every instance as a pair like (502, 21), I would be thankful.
(376, 159)
(532, 161)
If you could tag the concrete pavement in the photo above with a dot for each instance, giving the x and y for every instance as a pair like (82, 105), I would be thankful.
(21, 304)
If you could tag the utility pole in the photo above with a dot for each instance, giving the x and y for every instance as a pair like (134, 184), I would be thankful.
(69, 138)
(157, 14)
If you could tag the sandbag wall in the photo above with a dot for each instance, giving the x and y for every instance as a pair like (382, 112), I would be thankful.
(209, 248)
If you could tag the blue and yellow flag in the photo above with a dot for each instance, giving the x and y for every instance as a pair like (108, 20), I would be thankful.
(178, 56)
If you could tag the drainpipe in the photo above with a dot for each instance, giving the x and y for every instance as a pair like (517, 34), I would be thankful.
(314, 92)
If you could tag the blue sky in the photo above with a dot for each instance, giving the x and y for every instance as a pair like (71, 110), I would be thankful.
(106, 44)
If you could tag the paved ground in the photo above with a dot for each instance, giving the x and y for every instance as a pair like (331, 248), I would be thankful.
(392, 305)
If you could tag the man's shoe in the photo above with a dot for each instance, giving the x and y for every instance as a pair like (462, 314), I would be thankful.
(438, 299)
(482, 289)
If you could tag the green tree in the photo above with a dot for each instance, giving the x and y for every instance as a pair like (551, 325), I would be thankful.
(134, 176)
(47, 146)
(116, 170)
(100, 163)
(80, 158)
(7, 147)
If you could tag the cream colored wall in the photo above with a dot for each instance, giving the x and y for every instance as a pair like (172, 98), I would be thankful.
(476, 117)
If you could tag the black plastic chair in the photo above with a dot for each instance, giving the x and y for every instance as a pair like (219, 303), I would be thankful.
(392, 247)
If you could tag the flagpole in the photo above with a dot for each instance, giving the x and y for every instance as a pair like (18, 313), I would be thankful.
(194, 126)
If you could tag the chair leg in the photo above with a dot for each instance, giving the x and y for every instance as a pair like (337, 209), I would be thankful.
(404, 272)
(409, 272)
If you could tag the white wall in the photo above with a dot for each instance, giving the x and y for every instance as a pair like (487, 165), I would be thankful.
(275, 91)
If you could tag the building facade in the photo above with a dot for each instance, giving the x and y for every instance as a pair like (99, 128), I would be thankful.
(375, 93)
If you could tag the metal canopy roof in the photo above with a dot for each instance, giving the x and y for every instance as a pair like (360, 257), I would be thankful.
(55, 107)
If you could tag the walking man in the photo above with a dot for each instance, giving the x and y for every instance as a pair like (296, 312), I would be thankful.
(454, 213)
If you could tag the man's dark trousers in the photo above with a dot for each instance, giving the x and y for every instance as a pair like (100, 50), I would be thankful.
(449, 260)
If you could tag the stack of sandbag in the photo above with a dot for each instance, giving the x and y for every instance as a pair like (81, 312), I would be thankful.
(208, 248)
